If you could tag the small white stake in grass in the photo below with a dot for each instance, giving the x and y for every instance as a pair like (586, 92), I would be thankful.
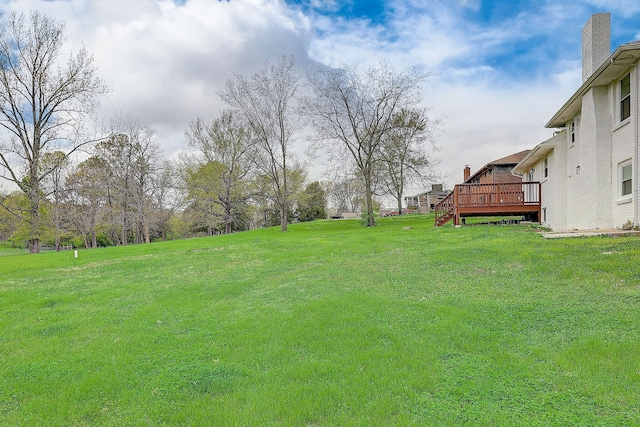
(75, 253)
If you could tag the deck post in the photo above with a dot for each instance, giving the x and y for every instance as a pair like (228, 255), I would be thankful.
(539, 200)
(456, 214)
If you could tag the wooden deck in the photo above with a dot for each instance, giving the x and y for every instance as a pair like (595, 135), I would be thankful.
(513, 198)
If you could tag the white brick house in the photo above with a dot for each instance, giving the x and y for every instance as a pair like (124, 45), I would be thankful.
(589, 168)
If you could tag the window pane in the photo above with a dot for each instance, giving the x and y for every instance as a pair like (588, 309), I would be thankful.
(625, 97)
(626, 180)
(625, 108)
(625, 86)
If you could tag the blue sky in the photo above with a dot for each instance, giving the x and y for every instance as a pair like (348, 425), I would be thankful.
(499, 69)
(519, 38)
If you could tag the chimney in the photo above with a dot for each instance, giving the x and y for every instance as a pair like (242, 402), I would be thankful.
(596, 43)
(467, 173)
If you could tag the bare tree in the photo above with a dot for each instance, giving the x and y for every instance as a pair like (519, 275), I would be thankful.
(43, 104)
(265, 194)
(56, 162)
(132, 156)
(228, 142)
(146, 175)
(167, 198)
(87, 196)
(117, 154)
(405, 152)
(353, 112)
(346, 193)
(267, 101)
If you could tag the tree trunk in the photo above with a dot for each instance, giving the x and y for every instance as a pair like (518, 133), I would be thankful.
(283, 218)
(34, 242)
(34, 211)
(124, 227)
(227, 220)
(400, 189)
(369, 201)
(57, 223)
(92, 226)
(34, 245)
(147, 238)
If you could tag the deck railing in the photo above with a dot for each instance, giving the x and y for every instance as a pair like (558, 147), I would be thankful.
(489, 199)
(445, 210)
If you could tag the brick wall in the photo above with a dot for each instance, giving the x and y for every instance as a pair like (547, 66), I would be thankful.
(596, 43)
(593, 208)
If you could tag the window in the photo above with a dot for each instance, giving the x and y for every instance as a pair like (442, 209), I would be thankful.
(573, 131)
(626, 179)
(625, 97)
(546, 167)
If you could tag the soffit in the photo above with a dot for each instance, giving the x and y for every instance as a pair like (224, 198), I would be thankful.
(624, 57)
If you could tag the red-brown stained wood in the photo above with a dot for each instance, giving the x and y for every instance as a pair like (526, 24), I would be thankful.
(521, 198)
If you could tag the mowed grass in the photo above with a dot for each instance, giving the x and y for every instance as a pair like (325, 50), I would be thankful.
(329, 324)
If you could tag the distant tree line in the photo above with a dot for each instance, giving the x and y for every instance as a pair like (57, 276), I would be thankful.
(112, 186)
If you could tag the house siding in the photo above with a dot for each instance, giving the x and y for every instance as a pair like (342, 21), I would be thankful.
(552, 187)
(583, 190)
(594, 180)
(572, 184)
(548, 203)
(635, 115)
(603, 218)
(622, 148)
(584, 187)
(555, 187)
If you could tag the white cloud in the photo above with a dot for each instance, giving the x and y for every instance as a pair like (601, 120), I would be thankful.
(165, 62)
(624, 8)
(483, 123)
(487, 114)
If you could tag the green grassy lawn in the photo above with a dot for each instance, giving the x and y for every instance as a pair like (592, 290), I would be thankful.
(7, 249)
(329, 324)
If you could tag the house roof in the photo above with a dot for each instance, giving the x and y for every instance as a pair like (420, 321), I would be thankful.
(622, 58)
(434, 192)
(512, 159)
(539, 152)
